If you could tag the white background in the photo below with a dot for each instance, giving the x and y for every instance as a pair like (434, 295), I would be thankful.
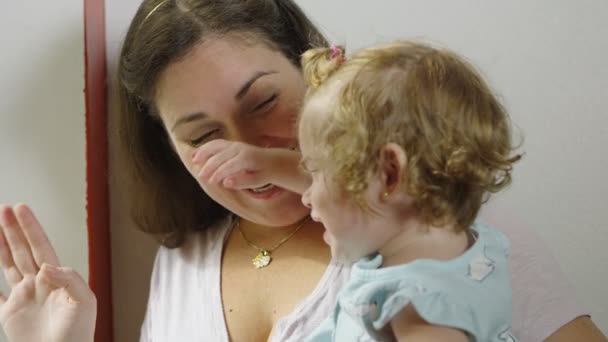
(546, 60)
(42, 141)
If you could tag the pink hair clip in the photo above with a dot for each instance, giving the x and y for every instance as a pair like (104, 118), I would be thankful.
(335, 51)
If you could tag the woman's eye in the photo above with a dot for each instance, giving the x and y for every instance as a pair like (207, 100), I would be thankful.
(266, 102)
(203, 138)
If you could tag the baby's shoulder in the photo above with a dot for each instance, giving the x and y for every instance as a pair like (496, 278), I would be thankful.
(462, 292)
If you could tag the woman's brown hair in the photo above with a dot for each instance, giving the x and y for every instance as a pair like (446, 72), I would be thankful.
(166, 200)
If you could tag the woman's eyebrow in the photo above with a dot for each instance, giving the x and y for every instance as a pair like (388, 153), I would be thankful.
(239, 95)
(245, 87)
(189, 118)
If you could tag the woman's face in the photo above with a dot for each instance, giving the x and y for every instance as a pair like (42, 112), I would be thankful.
(240, 91)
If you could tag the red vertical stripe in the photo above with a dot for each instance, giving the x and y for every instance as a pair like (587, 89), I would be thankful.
(97, 192)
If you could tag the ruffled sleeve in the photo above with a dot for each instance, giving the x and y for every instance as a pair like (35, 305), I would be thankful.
(434, 307)
(375, 305)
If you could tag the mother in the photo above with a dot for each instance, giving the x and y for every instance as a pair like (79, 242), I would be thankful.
(225, 74)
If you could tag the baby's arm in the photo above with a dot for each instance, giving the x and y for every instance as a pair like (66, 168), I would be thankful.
(277, 166)
(409, 326)
(237, 165)
(287, 172)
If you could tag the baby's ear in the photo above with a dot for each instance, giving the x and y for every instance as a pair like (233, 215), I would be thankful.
(393, 161)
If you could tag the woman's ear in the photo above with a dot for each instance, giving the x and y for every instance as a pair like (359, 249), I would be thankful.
(393, 161)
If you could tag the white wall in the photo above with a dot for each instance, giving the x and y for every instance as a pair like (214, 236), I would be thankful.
(42, 146)
(546, 59)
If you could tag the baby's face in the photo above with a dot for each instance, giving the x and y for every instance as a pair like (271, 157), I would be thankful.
(351, 231)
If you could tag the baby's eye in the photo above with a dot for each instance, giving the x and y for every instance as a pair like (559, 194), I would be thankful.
(307, 168)
(303, 166)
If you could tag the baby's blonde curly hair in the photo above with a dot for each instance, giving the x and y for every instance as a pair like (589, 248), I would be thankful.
(432, 103)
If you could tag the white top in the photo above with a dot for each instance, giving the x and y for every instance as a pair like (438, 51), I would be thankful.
(185, 300)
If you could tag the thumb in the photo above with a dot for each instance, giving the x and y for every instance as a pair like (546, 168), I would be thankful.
(69, 280)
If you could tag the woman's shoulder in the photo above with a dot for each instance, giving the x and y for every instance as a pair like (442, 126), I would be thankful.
(197, 247)
(194, 262)
(184, 281)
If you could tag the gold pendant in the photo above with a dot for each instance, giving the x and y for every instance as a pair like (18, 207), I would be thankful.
(262, 259)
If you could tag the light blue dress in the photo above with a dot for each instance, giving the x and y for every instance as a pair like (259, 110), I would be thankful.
(471, 292)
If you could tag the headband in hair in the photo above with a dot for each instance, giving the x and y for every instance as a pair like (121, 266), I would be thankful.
(152, 12)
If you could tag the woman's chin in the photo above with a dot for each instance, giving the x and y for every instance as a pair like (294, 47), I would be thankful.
(273, 207)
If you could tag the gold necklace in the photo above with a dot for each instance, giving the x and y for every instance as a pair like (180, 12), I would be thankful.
(263, 258)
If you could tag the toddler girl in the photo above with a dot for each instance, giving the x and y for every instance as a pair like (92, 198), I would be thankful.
(404, 143)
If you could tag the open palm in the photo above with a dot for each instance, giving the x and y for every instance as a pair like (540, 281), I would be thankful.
(46, 302)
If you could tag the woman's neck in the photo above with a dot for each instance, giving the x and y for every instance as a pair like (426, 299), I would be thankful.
(417, 240)
(264, 234)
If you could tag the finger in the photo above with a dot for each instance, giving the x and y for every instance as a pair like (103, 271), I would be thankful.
(244, 180)
(70, 280)
(11, 273)
(209, 149)
(17, 243)
(215, 162)
(41, 247)
(229, 168)
(2, 298)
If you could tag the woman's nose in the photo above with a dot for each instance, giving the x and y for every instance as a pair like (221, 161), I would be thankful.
(260, 134)
(248, 136)
(269, 141)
